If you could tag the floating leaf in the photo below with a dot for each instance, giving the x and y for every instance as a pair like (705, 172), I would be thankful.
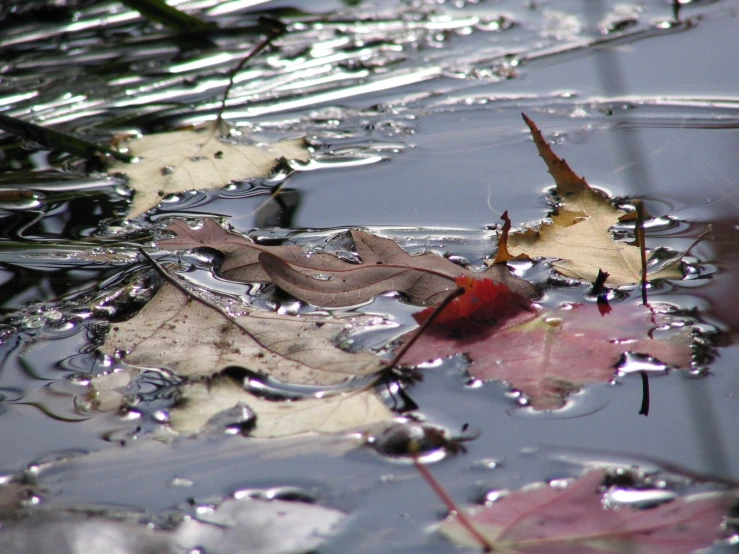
(197, 159)
(555, 353)
(553, 520)
(241, 260)
(425, 279)
(176, 332)
(203, 404)
(325, 280)
(579, 234)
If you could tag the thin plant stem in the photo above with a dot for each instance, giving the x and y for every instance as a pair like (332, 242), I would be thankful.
(451, 505)
(277, 29)
(644, 394)
(422, 329)
(642, 243)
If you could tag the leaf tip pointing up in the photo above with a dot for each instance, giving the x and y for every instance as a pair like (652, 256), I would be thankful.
(503, 255)
(568, 182)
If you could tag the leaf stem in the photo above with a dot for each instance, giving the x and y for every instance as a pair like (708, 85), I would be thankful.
(437, 310)
(451, 505)
(644, 394)
(642, 242)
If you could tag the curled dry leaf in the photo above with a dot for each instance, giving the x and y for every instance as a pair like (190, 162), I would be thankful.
(425, 279)
(325, 280)
(544, 519)
(548, 356)
(202, 405)
(241, 254)
(579, 234)
(177, 332)
(196, 159)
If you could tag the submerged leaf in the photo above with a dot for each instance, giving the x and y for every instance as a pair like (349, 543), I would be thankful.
(184, 160)
(579, 234)
(201, 403)
(174, 331)
(545, 519)
(556, 353)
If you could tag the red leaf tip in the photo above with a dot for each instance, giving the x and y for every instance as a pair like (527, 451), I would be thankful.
(484, 302)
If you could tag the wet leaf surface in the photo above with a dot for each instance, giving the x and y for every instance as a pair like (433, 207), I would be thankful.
(554, 353)
(580, 231)
(411, 112)
(544, 518)
(178, 161)
(425, 279)
(241, 261)
(223, 403)
(177, 332)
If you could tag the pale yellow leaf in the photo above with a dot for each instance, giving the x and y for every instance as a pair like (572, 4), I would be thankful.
(580, 232)
(179, 161)
(350, 410)
(176, 332)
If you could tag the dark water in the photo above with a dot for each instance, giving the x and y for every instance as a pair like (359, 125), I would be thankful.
(414, 111)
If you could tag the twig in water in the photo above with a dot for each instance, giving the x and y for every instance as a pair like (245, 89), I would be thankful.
(437, 310)
(451, 505)
(644, 394)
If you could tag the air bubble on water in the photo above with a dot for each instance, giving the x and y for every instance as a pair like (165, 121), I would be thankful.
(473, 383)
(161, 416)
(559, 483)
(205, 510)
(181, 482)
(493, 496)
(488, 463)
(130, 415)
(31, 502)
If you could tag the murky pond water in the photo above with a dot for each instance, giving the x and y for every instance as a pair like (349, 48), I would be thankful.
(412, 110)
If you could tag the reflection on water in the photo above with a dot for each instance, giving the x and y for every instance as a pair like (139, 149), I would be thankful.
(412, 114)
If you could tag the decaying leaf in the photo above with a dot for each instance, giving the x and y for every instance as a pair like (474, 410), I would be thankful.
(425, 279)
(174, 331)
(179, 161)
(241, 260)
(325, 280)
(553, 520)
(555, 353)
(205, 405)
(579, 234)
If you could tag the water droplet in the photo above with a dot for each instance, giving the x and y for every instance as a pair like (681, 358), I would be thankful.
(634, 362)
(161, 416)
(493, 496)
(181, 482)
(637, 498)
(239, 419)
(322, 277)
(33, 322)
